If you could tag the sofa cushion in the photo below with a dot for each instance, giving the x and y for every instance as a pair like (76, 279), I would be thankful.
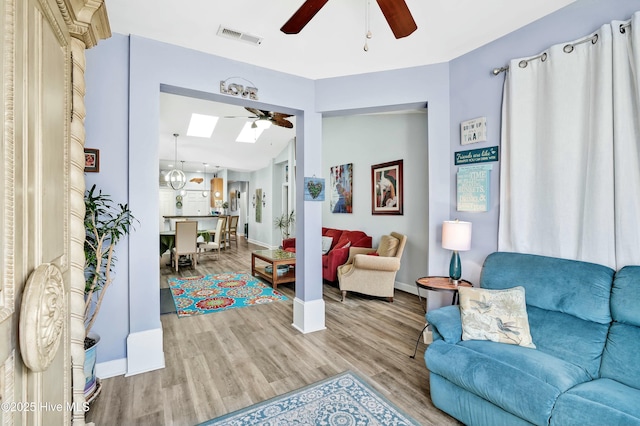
(625, 296)
(523, 381)
(623, 341)
(576, 288)
(568, 338)
(621, 355)
(599, 402)
(496, 315)
(388, 246)
(327, 242)
(333, 233)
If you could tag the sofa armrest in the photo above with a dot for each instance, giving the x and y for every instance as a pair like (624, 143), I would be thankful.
(446, 324)
(289, 243)
(337, 257)
(376, 263)
(353, 251)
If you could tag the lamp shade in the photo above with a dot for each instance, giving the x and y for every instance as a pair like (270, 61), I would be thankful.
(456, 235)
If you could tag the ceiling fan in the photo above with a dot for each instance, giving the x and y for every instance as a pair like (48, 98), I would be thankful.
(270, 117)
(396, 13)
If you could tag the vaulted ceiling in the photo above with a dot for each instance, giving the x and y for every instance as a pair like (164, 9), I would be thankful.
(330, 45)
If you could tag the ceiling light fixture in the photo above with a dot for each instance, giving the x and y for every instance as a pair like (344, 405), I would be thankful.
(205, 192)
(249, 133)
(261, 123)
(201, 125)
(176, 178)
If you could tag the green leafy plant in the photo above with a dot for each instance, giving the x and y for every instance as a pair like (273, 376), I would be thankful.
(225, 205)
(106, 223)
(284, 223)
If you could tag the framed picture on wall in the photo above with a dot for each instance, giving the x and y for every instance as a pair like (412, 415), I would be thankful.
(91, 160)
(341, 200)
(387, 196)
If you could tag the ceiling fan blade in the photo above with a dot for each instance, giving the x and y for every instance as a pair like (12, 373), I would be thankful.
(282, 122)
(259, 113)
(303, 15)
(398, 16)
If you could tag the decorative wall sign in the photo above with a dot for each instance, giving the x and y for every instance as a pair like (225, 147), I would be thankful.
(235, 89)
(313, 189)
(91, 160)
(474, 185)
(341, 189)
(387, 196)
(481, 155)
(472, 131)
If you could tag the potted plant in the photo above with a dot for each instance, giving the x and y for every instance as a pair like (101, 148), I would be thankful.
(106, 223)
(225, 206)
(284, 223)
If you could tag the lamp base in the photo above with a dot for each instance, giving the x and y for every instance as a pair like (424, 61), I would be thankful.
(455, 268)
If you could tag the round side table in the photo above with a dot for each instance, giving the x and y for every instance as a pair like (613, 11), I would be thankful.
(440, 284)
(437, 284)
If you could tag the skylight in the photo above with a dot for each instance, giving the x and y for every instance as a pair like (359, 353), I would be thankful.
(249, 134)
(201, 126)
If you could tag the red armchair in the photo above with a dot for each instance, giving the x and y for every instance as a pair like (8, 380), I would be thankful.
(339, 252)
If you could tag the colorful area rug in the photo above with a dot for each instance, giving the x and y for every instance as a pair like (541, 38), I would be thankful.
(341, 400)
(213, 293)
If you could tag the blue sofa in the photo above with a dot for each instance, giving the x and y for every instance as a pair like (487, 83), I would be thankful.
(585, 369)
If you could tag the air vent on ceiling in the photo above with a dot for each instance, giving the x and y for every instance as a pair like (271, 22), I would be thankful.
(239, 35)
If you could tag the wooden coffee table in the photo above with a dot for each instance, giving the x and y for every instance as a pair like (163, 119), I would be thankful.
(274, 258)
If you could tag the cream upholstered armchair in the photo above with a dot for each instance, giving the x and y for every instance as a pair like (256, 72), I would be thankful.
(373, 271)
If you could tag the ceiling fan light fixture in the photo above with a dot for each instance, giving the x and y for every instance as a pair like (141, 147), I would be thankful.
(249, 133)
(262, 123)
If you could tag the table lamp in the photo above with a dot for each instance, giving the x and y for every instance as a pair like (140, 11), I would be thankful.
(456, 236)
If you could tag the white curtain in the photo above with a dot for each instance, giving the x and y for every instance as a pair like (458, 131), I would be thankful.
(570, 169)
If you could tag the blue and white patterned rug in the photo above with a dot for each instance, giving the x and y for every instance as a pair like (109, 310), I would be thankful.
(341, 400)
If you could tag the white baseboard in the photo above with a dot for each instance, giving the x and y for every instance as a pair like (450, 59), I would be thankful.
(114, 368)
(308, 316)
(144, 352)
(409, 288)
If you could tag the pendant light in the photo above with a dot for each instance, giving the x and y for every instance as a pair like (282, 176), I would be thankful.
(176, 177)
(205, 192)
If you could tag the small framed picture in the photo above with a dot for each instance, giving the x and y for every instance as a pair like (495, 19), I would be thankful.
(387, 196)
(91, 160)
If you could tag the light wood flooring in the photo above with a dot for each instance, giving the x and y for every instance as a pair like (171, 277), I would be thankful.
(224, 361)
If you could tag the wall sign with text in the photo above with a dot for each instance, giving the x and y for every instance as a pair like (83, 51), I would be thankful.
(481, 155)
(472, 131)
(473, 188)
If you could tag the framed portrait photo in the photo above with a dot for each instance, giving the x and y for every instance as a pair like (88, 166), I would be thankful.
(387, 195)
(91, 160)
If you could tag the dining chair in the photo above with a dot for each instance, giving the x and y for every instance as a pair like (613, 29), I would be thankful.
(223, 230)
(217, 239)
(232, 230)
(185, 242)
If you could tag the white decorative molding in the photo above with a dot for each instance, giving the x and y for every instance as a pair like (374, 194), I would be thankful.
(8, 214)
(117, 367)
(308, 316)
(144, 352)
(42, 317)
(77, 231)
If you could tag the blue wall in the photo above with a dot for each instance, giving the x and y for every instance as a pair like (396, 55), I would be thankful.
(123, 123)
(107, 127)
(476, 92)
